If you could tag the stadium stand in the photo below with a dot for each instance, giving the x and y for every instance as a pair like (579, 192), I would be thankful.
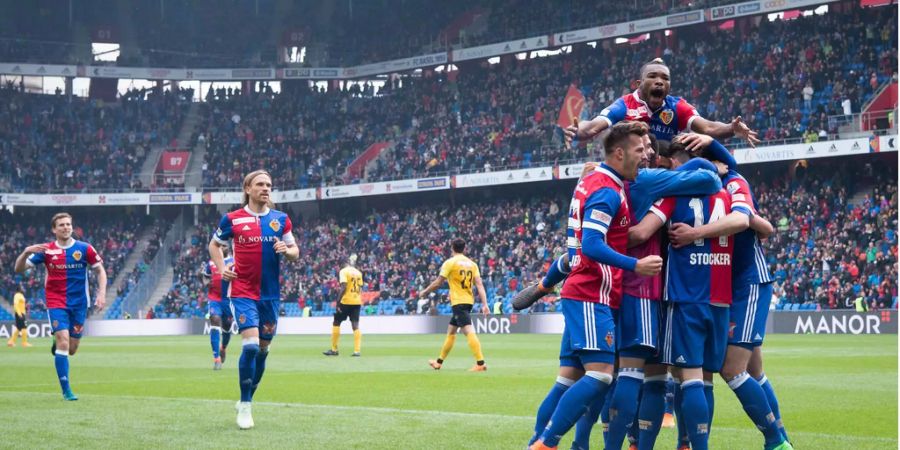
(489, 117)
(52, 143)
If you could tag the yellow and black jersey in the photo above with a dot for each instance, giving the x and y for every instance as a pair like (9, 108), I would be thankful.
(19, 304)
(460, 273)
(354, 280)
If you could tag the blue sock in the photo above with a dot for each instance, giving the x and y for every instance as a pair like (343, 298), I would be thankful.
(710, 402)
(604, 411)
(574, 403)
(260, 369)
(247, 369)
(624, 405)
(214, 336)
(650, 413)
(763, 382)
(586, 423)
(549, 405)
(677, 400)
(696, 413)
(756, 405)
(226, 337)
(558, 271)
(61, 361)
(670, 395)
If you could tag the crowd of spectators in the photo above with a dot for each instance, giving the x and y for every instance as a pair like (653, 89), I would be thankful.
(786, 79)
(61, 143)
(114, 237)
(837, 238)
(400, 251)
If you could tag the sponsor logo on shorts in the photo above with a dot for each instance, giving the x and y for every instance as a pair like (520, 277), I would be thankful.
(609, 338)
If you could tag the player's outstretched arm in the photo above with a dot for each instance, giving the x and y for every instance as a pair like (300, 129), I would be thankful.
(681, 234)
(486, 309)
(438, 282)
(761, 226)
(638, 234)
(720, 130)
(22, 259)
(100, 273)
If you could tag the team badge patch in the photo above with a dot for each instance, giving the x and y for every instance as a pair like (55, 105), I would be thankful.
(76, 255)
(733, 187)
(242, 319)
(666, 116)
(268, 328)
(609, 338)
(77, 328)
(275, 225)
(55, 324)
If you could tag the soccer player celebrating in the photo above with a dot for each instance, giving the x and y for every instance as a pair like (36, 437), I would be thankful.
(752, 293)
(220, 318)
(348, 306)
(261, 235)
(666, 115)
(462, 274)
(67, 261)
(597, 238)
(21, 326)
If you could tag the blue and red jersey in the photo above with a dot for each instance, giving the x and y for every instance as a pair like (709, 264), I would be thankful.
(749, 266)
(699, 272)
(217, 285)
(67, 267)
(599, 204)
(674, 116)
(255, 261)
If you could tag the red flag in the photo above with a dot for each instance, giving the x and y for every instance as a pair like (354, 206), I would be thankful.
(571, 108)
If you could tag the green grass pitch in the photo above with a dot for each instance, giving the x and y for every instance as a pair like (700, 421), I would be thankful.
(836, 392)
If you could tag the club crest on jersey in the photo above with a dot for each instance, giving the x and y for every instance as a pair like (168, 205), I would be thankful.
(609, 338)
(666, 116)
(275, 225)
(76, 255)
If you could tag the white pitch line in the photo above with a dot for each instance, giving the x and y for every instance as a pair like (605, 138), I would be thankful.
(430, 412)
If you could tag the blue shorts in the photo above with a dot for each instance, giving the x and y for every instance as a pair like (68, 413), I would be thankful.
(637, 327)
(221, 309)
(748, 315)
(695, 335)
(262, 314)
(71, 318)
(589, 336)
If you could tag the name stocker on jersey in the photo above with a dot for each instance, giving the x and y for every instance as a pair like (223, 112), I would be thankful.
(675, 114)
(255, 261)
(749, 265)
(699, 272)
(590, 281)
(67, 273)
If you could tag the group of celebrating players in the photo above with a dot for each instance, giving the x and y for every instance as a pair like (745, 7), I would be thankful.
(628, 328)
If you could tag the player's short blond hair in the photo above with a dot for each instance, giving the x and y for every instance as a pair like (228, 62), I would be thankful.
(57, 216)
